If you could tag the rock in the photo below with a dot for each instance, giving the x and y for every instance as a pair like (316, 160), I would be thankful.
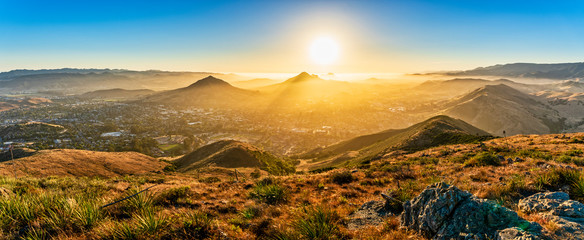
(541, 202)
(568, 215)
(515, 234)
(370, 213)
(442, 211)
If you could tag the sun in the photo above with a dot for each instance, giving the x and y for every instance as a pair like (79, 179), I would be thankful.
(324, 51)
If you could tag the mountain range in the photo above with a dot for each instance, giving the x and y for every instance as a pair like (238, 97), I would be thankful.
(528, 70)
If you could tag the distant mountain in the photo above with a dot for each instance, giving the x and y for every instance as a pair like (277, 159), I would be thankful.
(439, 130)
(233, 154)
(528, 70)
(78, 81)
(570, 106)
(498, 108)
(209, 91)
(81, 163)
(459, 86)
(23, 72)
(305, 88)
(117, 93)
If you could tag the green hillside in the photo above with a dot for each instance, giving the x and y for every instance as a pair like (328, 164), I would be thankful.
(233, 154)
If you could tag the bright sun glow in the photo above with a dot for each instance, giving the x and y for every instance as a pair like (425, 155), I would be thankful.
(324, 51)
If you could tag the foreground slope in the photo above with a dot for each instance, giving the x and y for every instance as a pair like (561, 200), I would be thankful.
(439, 130)
(498, 108)
(81, 163)
(232, 154)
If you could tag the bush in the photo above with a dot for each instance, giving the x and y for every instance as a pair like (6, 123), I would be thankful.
(342, 177)
(483, 159)
(269, 192)
(255, 174)
(210, 180)
(172, 195)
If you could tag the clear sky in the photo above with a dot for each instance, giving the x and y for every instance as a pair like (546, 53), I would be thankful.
(275, 36)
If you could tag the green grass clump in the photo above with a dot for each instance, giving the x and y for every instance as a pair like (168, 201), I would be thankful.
(483, 159)
(535, 154)
(250, 212)
(557, 178)
(269, 191)
(196, 225)
(318, 223)
(343, 177)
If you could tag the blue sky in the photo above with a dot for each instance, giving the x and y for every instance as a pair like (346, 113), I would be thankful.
(273, 36)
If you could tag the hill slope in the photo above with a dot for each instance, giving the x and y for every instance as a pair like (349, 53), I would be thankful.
(117, 93)
(81, 163)
(498, 108)
(233, 154)
(439, 130)
(209, 91)
(30, 130)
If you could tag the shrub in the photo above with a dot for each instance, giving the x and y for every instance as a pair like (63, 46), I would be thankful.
(342, 177)
(321, 170)
(172, 195)
(169, 168)
(255, 174)
(210, 180)
(269, 192)
(574, 152)
(564, 159)
(483, 159)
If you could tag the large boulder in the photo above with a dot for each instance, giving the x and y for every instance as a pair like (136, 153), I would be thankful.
(568, 215)
(442, 211)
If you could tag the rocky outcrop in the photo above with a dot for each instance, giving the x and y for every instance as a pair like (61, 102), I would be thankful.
(370, 213)
(374, 212)
(568, 215)
(442, 211)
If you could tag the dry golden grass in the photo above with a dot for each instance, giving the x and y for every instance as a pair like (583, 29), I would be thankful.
(227, 204)
(81, 163)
